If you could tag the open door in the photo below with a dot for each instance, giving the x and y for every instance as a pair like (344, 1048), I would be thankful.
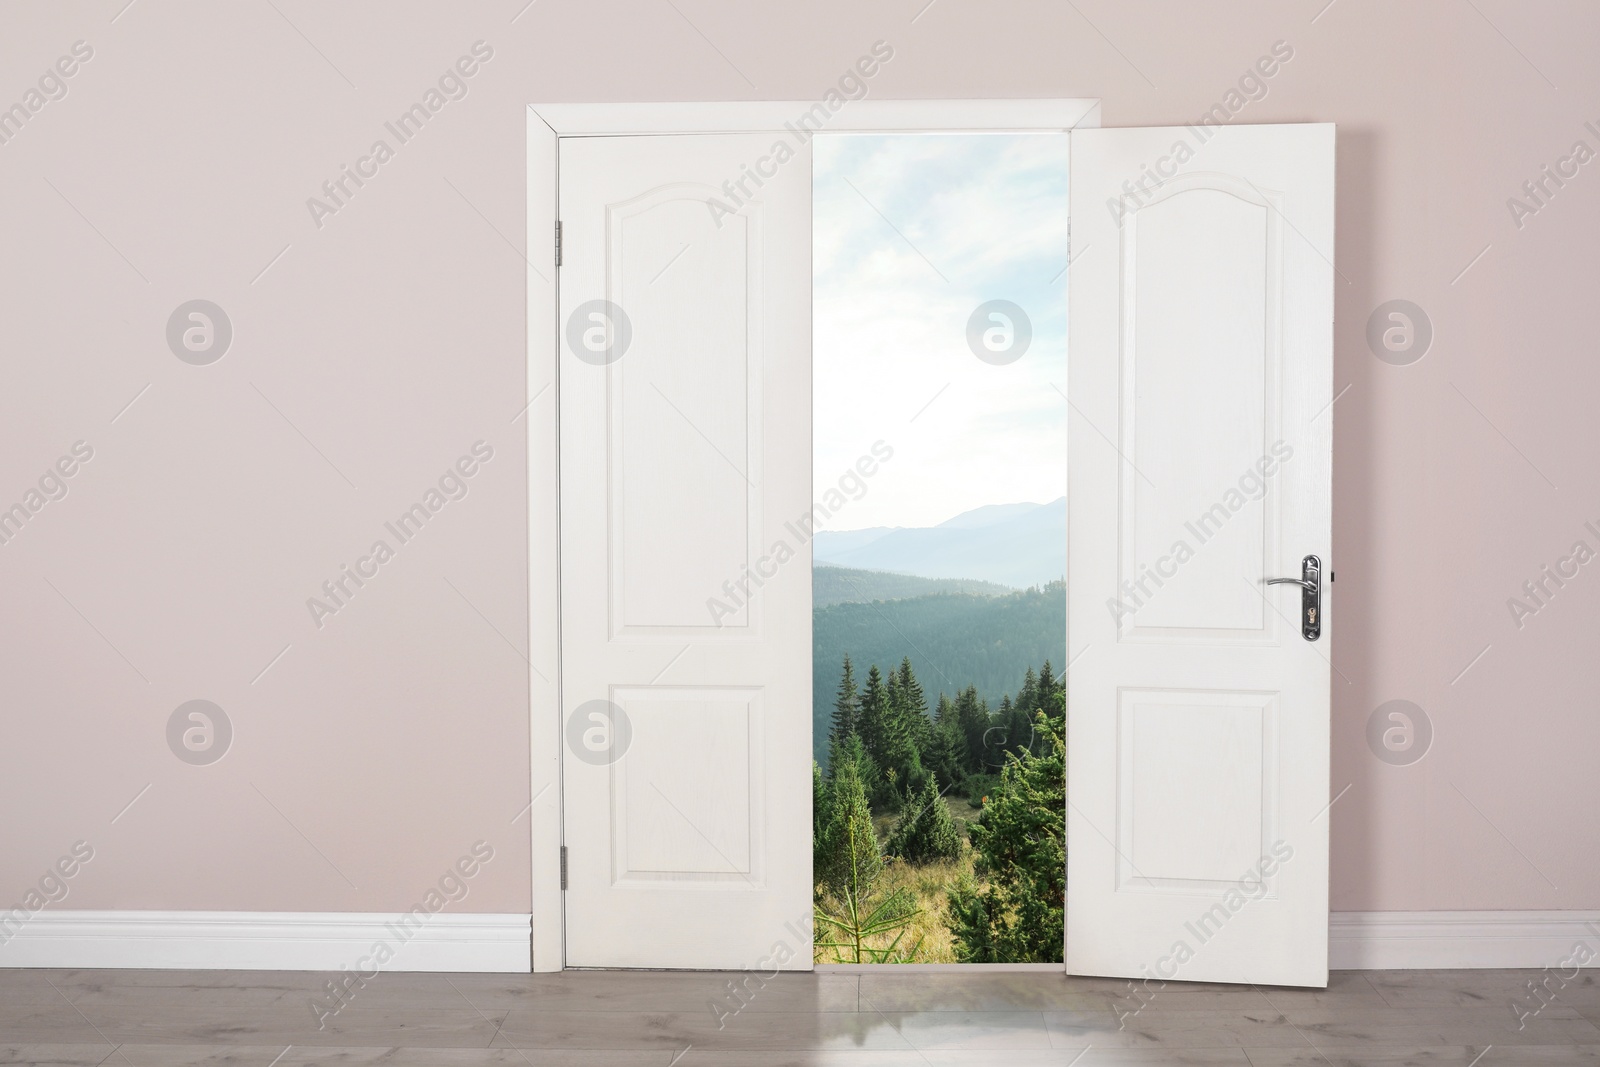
(1200, 378)
(685, 400)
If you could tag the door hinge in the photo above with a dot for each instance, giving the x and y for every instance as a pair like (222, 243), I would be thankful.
(563, 847)
(558, 244)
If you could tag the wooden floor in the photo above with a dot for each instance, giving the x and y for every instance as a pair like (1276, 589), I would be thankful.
(889, 1019)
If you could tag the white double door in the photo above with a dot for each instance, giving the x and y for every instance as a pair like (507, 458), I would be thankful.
(1200, 382)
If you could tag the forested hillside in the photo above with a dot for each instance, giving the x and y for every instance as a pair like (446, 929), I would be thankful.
(954, 641)
(842, 585)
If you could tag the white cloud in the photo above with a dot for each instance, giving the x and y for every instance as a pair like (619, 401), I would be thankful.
(989, 213)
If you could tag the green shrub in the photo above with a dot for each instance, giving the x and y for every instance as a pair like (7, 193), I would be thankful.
(976, 787)
(1021, 843)
(926, 832)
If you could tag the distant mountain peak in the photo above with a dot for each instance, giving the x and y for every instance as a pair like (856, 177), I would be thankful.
(988, 515)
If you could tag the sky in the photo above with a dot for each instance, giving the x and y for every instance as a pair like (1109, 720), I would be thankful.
(911, 233)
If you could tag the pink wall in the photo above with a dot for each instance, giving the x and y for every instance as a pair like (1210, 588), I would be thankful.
(382, 345)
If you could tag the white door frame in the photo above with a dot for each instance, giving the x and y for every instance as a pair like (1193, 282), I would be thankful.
(547, 123)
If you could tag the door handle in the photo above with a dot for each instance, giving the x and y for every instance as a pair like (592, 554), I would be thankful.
(1310, 583)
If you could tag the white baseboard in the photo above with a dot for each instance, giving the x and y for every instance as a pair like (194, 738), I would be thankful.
(1451, 940)
(273, 941)
(331, 941)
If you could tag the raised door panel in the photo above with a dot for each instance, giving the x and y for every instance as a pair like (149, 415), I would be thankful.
(683, 409)
(1200, 293)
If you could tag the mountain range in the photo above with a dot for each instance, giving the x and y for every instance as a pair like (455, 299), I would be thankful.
(1013, 545)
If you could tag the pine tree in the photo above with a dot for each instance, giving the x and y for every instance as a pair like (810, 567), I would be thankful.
(846, 707)
(973, 716)
(1028, 696)
(1021, 843)
(1020, 735)
(846, 853)
(821, 814)
(903, 758)
(896, 697)
(873, 718)
(914, 707)
(943, 753)
(1052, 693)
(999, 734)
(851, 914)
(852, 752)
(909, 734)
(926, 832)
(1048, 684)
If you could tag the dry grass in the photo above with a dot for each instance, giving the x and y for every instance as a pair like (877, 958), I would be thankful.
(929, 932)
(931, 927)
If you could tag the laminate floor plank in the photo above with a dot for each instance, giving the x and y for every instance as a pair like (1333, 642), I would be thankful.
(875, 1018)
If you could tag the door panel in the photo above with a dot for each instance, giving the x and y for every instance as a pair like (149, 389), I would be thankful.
(685, 411)
(1198, 312)
(1200, 372)
(686, 602)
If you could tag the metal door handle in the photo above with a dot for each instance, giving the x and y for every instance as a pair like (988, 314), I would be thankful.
(1310, 583)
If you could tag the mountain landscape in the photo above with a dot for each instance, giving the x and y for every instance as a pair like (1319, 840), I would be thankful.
(954, 640)
(974, 601)
(1013, 545)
